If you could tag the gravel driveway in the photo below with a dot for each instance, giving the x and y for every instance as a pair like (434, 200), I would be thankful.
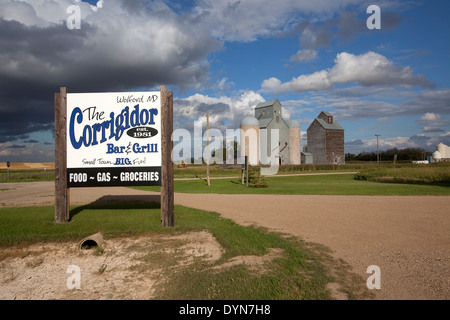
(406, 236)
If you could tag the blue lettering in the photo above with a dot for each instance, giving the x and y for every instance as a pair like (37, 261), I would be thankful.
(110, 148)
(87, 130)
(76, 144)
(144, 113)
(111, 115)
(136, 148)
(122, 161)
(134, 117)
(116, 125)
(153, 112)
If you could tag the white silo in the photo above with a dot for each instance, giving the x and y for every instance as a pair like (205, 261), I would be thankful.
(250, 140)
(442, 148)
(294, 142)
(437, 156)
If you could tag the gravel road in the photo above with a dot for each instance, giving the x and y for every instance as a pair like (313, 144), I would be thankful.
(407, 237)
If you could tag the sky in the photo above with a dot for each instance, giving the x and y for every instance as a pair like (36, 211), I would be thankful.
(225, 57)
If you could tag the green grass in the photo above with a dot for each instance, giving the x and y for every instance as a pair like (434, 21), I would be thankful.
(35, 224)
(339, 184)
(436, 173)
(301, 273)
(26, 175)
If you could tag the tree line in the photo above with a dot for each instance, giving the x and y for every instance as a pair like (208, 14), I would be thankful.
(407, 154)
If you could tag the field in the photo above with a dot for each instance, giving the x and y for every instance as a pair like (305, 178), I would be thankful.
(435, 176)
(416, 174)
(209, 257)
(25, 171)
(369, 179)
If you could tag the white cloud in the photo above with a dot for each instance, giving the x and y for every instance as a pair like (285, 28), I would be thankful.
(304, 55)
(369, 69)
(225, 112)
(429, 116)
(316, 81)
(432, 123)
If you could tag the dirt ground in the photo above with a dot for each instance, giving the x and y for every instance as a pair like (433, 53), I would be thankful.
(406, 237)
(47, 271)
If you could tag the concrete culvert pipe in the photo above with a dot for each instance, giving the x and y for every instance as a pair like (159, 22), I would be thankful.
(95, 240)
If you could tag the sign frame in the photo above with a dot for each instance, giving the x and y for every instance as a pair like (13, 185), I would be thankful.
(62, 172)
(113, 139)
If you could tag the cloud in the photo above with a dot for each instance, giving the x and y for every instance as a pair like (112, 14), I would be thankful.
(411, 104)
(304, 55)
(346, 26)
(432, 123)
(314, 21)
(32, 153)
(116, 49)
(15, 146)
(369, 69)
(423, 141)
(372, 69)
(314, 36)
(430, 129)
(429, 116)
(225, 112)
(224, 84)
(357, 142)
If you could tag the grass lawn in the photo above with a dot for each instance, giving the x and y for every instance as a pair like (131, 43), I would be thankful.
(339, 184)
(301, 273)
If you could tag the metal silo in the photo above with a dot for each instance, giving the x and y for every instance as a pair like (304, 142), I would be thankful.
(437, 156)
(250, 139)
(442, 148)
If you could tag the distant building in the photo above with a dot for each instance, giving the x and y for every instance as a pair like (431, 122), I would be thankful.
(307, 158)
(326, 140)
(268, 116)
(442, 153)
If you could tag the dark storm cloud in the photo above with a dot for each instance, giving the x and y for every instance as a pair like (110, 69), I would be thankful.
(36, 61)
(15, 146)
(357, 142)
(419, 140)
(348, 25)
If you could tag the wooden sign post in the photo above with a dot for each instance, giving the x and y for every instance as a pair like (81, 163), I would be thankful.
(61, 190)
(167, 187)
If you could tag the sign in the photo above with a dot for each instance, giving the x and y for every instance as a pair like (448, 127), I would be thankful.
(113, 139)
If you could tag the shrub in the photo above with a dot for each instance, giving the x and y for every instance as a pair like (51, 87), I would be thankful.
(255, 180)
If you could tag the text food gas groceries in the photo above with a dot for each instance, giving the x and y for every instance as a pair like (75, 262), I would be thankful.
(113, 139)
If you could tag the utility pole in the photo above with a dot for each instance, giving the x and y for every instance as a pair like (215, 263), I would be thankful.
(207, 147)
(378, 154)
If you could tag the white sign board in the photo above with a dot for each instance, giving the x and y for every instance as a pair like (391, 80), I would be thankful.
(113, 139)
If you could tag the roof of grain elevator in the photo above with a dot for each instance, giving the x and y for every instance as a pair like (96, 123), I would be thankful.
(249, 121)
(265, 104)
